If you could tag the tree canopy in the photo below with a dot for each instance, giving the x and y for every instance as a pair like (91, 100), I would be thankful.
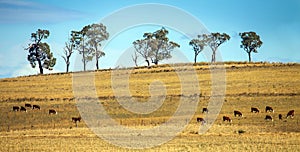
(250, 42)
(40, 51)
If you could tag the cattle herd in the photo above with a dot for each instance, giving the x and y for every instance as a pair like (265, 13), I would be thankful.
(37, 107)
(237, 113)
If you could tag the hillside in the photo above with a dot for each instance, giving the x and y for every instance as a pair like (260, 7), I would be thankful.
(247, 85)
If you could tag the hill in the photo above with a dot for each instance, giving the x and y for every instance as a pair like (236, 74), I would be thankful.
(247, 85)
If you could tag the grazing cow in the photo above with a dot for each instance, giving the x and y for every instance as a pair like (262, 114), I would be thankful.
(269, 109)
(52, 111)
(204, 110)
(28, 105)
(23, 109)
(201, 120)
(291, 114)
(268, 117)
(280, 116)
(75, 119)
(225, 118)
(36, 107)
(237, 113)
(255, 110)
(16, 108)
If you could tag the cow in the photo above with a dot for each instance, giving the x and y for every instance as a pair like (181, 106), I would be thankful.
(52, 111)
(16, 108)
(254, 110)
(268, 117)
(28, 105)
(280, 116)
(269, 109)
(201, 120)
(204, 110)
(225, 118)
(23, 109)
(291, 114)
(237, 113)
(75, 119)
(36, 107)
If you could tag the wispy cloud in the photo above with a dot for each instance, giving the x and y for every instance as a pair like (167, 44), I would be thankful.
(23, 12)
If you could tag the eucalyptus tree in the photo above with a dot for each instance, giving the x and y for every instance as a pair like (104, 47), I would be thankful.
(214, 40)
(79, 38)
(40, 51)
(250, 42)
(96, 33)
(198, 45)
(155, 46)
(68, 51)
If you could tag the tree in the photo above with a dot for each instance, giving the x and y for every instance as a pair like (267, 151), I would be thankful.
(68, 51)
(142, 47)
(155, 46)
(198, 45)
(250, 42)
(79, 38)
(214, 40)
(96, 33)
(134, 58)
(40, 52)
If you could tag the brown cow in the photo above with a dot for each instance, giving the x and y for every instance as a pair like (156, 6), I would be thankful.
(254, 110)
(16, 108)
(36, 107)
(75, 119)
(28, 105)
(269, 109)
(291, 114)
(280, 116)
(237, 113)
(52, 111)
(23, 109)
(204, 110)
(225, 118)
(201, 120)
(268, 117)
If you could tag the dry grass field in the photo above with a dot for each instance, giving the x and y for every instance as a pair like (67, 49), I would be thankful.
(247, 85)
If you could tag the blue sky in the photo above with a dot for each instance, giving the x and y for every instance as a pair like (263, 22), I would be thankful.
(277, 22)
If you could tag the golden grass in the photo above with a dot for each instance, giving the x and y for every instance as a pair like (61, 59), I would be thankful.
(247, 85)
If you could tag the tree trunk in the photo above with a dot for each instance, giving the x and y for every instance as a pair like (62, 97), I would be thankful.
(195, 58)
(83, 56)
(67, 67)
(249, 55)
(40, 66)
(97, 64)
(148, 63)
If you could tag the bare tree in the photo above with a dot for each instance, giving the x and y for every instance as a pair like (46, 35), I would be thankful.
(68, 51)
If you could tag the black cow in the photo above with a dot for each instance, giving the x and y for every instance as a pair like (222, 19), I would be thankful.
(255, 110)
(23, 109)
(291, 114)
(36, 107)
(204, 110)
(237, 113)
(16, 108)
(52, 111)
(201, 120)
(269, 109)
(28, 105)
(225, 118)
(268, 117)
(75, 119)
(280, 116)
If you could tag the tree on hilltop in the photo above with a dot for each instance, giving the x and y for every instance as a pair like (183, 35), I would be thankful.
(250, 42)
(155, 46)
(40, 51)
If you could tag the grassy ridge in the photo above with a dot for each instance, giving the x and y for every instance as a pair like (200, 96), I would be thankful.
(247, 85)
